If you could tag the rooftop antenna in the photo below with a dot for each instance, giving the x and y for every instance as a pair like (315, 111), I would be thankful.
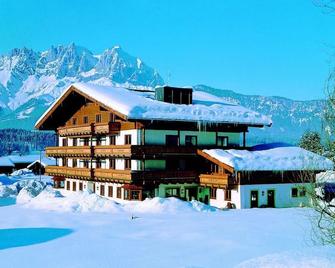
(168, 78)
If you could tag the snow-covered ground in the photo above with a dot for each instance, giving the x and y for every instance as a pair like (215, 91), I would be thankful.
(66, 229)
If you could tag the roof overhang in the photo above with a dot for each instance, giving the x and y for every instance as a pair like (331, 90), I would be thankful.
(58, 106)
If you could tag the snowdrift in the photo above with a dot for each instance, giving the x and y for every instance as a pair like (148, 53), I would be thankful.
(39, 195)
(51, 199)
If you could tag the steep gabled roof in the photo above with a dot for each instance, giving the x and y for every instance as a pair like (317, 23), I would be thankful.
(135, 105)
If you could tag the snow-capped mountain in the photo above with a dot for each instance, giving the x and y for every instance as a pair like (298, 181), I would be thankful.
(30, 81)
(290, 118)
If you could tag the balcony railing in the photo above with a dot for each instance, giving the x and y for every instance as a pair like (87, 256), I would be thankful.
(115, 174)
(97, 128)
(134, 151)
(85, 173)
(119, 175)
(112, 150)
(109, 128)
(214, 180)
(76, 151)
(76, 130)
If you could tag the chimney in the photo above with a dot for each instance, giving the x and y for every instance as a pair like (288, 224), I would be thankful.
(176, 95)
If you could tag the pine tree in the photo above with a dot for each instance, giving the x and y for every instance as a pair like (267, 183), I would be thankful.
(311, 141)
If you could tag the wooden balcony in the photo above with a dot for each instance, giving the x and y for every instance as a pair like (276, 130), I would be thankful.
(113, 174)
(214, 180)
(75, 151)
(84, 173)
(76, 130)
(107, 128)
(112, 150)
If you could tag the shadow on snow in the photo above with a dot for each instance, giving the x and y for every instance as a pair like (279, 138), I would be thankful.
(19, 237)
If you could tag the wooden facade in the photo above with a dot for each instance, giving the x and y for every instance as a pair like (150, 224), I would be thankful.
(79, 116)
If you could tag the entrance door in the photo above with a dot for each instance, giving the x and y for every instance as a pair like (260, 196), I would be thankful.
(191, 193)
(254, 199)
(271, 198)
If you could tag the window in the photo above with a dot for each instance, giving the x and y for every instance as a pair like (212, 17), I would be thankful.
(126, 194)
(127, 164)
(98, 141)
(64, 161)
(86, 141)
(222, 141)
(294, 192)
(191, 140)
(74, 142)
(80, 186)
(118, 192)
(227, 195)
(85, 163)
(64, 142)
(213, 193)
(98, 163)
(135, 195)
(112, 117)
(85, 119)
(298, 192)
(127, 139)
(102, 190)
(74, 121)
(110, 191)
(172, 140)
(74, 163)
(302, 191)
(112, 163)
(112, 140)
(74, 186)
(170, 192)
(98, 118)
(67, 185)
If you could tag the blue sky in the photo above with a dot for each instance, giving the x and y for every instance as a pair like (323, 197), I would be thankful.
(277, 47)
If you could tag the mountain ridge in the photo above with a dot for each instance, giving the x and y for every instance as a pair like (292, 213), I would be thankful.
(30, 81)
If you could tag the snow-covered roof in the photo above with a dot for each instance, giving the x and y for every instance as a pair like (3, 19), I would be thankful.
(11, 160)
(46, 161)
(136, 105)
(6, 162)
(275, 159)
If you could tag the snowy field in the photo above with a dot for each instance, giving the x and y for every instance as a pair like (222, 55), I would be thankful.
(48, 228)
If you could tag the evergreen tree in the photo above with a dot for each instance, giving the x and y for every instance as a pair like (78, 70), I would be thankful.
(311, 141)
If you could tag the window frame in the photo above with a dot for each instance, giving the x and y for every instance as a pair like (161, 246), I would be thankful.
(296, 190)
(127, 139)
(190, 143)
(85, 119)
(98, 118)
(222, 138)
(127, 164)
(212, 193)
(227, 195)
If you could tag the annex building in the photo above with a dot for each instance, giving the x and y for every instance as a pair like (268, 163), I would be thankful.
(132, 144)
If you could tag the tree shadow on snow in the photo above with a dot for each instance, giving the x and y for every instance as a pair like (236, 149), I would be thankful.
(19, 237)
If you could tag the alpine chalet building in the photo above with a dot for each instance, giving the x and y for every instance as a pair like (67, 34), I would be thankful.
(133, 144)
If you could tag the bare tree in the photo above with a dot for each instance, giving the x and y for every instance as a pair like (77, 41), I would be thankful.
(328, 6)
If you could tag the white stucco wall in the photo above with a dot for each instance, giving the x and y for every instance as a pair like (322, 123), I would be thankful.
(283, 195)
